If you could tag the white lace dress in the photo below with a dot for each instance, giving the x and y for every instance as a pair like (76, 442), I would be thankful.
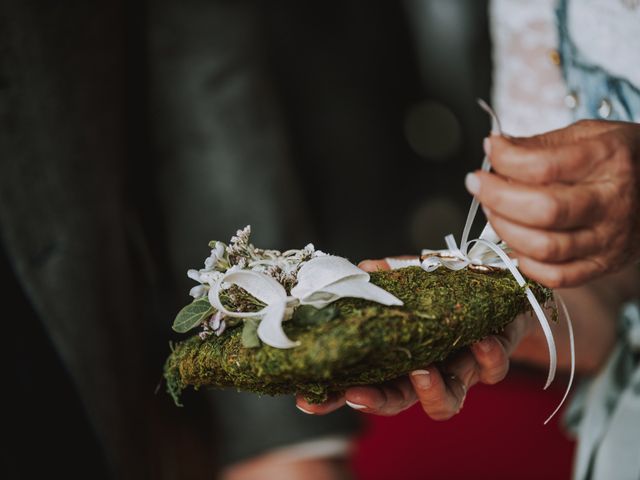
(529, 92)
(531, 97)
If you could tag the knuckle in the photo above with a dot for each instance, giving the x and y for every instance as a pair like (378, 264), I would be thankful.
(440, 416)
(624, 161)
(547, 248)
(552, 211)
(371, 265)
(491, 360)
(495, 375)
(586, 123)
(545, 172)
(555, 278)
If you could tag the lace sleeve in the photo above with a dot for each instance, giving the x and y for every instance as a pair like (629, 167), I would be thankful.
(528, 88)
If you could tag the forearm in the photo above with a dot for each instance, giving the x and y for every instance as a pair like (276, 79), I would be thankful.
(593, 308)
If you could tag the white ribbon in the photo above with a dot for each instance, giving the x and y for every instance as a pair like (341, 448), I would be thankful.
(489, 251)
(321, 281)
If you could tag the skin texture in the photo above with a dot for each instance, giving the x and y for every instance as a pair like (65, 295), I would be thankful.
(440, 389)
(566, 201)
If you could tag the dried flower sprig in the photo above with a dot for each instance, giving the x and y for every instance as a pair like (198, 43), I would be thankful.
(241, 254)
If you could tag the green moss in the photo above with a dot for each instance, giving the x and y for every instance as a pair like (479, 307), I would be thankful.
(364, 342)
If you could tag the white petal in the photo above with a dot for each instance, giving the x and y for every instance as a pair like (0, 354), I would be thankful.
(356, 288)
(263, 287)
(214, 323)
(319, 272)
(209, 277)
(270, 329)
(193, 274)
(198, 291)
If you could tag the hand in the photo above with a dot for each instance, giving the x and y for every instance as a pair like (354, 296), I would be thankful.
(567, 202)
(441, 389)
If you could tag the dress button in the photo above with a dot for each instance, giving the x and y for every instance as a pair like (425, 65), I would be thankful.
(604, 110)
(571, 100)
(554, 56)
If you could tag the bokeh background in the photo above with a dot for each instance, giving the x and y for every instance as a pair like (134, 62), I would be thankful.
(350, 124)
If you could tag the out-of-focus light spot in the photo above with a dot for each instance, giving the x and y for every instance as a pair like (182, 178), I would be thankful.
(432, 130)
(432, 220)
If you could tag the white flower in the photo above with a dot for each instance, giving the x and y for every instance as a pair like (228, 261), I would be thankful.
(198, 291)
(209, 277)
(217, 256)
(217, 323)
(242, 255)
(193, 274)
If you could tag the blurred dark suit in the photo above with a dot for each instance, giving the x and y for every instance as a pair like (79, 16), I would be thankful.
(131, 135)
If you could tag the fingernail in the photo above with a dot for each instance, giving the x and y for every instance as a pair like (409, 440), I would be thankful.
(486, 144)
(472, 182)
(486, 345)
(356, 406)
(422, 378)
(303, 410)
(487, 212)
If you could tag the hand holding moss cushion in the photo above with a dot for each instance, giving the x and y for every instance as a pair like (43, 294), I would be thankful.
(358, 342)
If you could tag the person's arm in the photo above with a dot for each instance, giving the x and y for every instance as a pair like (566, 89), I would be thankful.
(593, 308)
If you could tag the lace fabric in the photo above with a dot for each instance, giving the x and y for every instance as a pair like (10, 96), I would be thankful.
(529, 92)
(607, 33)
(528, 88)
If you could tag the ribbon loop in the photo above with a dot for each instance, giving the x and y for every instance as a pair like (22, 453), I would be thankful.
(489, 251)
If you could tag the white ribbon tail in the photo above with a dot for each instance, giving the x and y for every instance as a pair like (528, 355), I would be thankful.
(473, 209)
(496, 127)
(572, 349)
(270, 328)
(544, 323)
(486, 166)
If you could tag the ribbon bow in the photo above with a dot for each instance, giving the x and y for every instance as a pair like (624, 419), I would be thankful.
(321, 281)
(489, 251)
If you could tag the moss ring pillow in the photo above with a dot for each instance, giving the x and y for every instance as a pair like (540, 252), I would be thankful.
(305, 322)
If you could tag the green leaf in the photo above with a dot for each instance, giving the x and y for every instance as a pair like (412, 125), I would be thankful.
(250, 333)
(309, 316)
(192, 315)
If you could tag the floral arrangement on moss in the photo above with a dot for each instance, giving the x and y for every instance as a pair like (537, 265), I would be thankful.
(302, 321)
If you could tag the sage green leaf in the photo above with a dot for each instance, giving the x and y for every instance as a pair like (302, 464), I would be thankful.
(309, 316)
(192, 315)
(250, 333)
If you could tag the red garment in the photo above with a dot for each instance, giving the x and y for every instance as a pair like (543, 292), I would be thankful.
(498, 435)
